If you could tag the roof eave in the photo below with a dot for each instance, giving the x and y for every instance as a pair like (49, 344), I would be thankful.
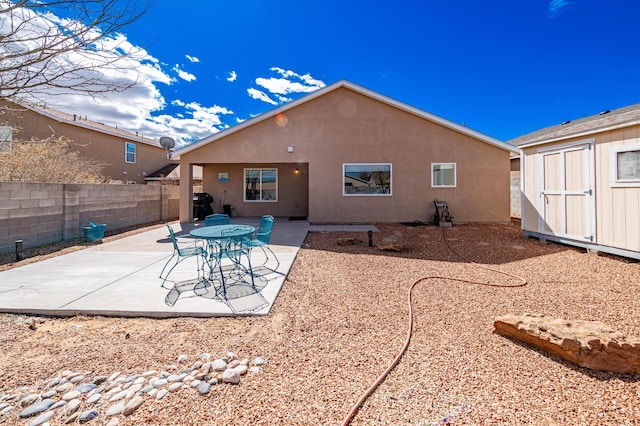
(579, 134)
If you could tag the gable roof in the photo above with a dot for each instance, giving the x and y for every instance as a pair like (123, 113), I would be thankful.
(358, 89)
(606, 120)
(78, 121)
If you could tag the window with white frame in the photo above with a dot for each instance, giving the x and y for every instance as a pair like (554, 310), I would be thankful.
(260, 184)
(443, 174)
(625, 165)
(366, 179)
(129, 152)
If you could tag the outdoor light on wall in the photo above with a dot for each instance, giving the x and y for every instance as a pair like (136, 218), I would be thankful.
(296, 171)
(291, 148)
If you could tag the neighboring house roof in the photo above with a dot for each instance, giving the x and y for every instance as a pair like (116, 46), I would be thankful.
(172, 172)
(356, 88)
(606, 120)
(77, 120)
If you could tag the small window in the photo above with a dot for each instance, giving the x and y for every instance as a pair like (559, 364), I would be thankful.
(129, 152)
(260, 184)
(625, 168)
(443, 174)
(366, 179)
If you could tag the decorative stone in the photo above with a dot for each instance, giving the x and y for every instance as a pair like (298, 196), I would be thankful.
(348, 241)
(245, 361)
(182, 358)
(119, 396)
(149, 373)
(231, 376)
(65, 387)
(58, 405)
(72, 407)
(206, 367)
(146, 389)
(71, 395)
(204, 388)
(219, 365)
(132, 405)
(76, 379)
(132, 378)
(242, 369)
(255, 370)
(161, 394)
(175, 386)
(94, 398)
(140, 380)
(173, 378)
(36, 408)
(114, 421)
(48, 394)
(29, 399)
(42, 418)
(589, 344)
(160, 383)
(259, 361)
(233, 364)
(116, 409)
(6, 410)
(88, 415)
(114, 376)
(205, 356)
(72, 418)
(99, 380)
(392, 243)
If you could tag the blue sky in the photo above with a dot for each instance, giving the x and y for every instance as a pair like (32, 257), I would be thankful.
(503, 68)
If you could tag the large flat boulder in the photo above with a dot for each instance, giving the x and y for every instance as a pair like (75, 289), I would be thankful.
(589, 344)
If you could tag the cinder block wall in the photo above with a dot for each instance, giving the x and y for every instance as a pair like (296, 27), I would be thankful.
(515, 195)
(41, 213)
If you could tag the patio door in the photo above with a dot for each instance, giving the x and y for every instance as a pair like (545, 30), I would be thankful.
(567, 207)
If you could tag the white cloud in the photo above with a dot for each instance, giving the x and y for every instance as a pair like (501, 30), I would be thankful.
(192, 58)
(232, 76)
(556, 7)
(261, 96)
(289, 82)
(183, 74)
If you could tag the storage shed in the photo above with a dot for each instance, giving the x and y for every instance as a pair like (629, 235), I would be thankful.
(581, 182)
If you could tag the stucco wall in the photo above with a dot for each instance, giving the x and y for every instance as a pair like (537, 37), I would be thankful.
(344, 126)
(40, 213)
(105, 148)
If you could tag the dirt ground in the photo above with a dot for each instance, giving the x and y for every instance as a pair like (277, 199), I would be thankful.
(342, 317)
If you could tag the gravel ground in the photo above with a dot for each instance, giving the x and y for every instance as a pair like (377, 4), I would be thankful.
(341, 318)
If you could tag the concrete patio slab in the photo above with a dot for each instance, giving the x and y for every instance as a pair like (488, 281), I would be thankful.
(121, 278)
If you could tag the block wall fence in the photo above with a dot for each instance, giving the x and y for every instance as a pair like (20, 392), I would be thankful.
(41, 213)
(515, 196)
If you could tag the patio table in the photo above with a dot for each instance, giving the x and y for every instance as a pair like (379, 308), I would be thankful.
(220, 239)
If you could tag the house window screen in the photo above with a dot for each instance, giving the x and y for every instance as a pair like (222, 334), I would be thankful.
(261, 185)
(443, 174)
(366, 179)
(628, 166)
(130, 152)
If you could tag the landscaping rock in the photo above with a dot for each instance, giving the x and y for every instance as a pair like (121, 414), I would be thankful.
(348, 241)
(589, 344)
(392, 243)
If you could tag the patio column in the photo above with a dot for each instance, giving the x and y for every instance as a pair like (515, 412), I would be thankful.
(186, 192)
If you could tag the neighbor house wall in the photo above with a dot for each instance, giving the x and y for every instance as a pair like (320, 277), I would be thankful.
(617, 207)
(344, 126)
(40, 213)
(106, 148)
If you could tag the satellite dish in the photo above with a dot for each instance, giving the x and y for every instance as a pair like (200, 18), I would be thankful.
(167, 143)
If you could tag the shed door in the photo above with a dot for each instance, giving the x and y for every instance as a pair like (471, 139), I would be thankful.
(567, 205)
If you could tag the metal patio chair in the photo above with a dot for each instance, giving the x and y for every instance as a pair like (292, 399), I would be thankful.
(262, 236)
(182, 253)
(217, 219)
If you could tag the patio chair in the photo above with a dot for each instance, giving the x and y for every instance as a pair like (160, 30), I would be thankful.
(263, 234)
(180, 254)
(234, 247)
(217, 219)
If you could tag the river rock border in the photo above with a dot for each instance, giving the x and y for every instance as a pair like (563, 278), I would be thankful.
(74, 396)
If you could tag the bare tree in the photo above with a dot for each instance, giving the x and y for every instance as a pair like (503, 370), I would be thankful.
(66, 46)
(48, 160)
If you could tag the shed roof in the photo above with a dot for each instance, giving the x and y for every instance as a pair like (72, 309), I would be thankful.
(356, 88)
(605, 120)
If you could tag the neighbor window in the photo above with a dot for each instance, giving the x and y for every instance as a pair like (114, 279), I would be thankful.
(366, 179)
(129, 152)
(626, 164)
(443, 174)
(260, 184)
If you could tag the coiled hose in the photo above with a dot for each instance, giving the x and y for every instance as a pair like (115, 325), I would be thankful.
(380, 379)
